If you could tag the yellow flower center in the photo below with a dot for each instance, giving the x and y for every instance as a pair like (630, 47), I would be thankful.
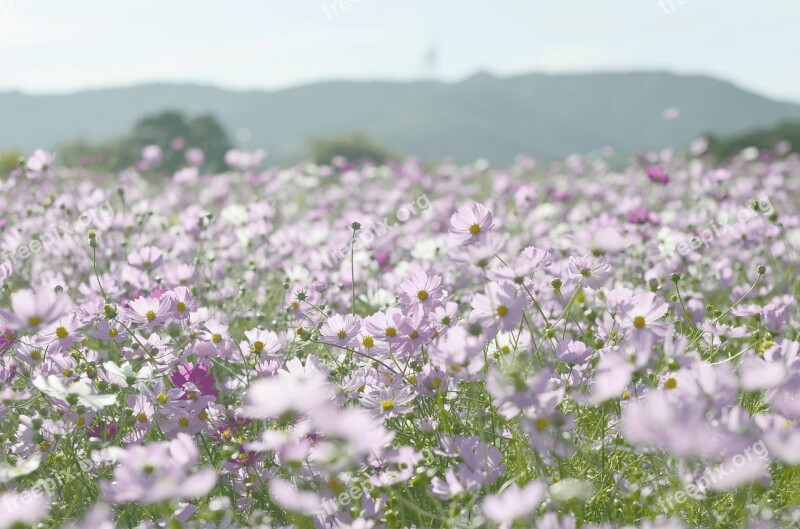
(505, 349)
(422, 295)
(181, 306)
(216, 338)
(475, 229)
(36, 355)
(502, 310)
(142, 417)
(183, 422)
(150, 315)
(413, 334)
(34, 320)
(147, 264)
(44, 446)
(387, 405)
(391, 332)
(62, 333)
(541, 423)
(203, 415)
(341, 334)
(368, 342)
(437, 382)
(80, 421)
(66, 372)
(162, 398)
(671, 383)
(258, 345)
(113, 333)
(639, 322)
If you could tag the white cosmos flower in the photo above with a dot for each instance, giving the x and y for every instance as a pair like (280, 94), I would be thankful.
(52, 387)
(22, 468)
(125, 376)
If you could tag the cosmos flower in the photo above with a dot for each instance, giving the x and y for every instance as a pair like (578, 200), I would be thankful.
(147, 258)
(149, 312)
(419, 288)
(470, 224)
(593, 272)
(32, 310)
(514, 503)
(340, 330)
(159, 471)
(39, 164)
(22, 509)
(500, 308)
(77, 393)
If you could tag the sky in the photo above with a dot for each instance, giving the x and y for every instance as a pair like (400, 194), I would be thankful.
(49, 46)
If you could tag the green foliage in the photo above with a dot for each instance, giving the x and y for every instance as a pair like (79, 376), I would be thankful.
(763, 139)
(355, 147)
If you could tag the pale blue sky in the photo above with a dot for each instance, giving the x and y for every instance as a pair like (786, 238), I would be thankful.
(64, 45)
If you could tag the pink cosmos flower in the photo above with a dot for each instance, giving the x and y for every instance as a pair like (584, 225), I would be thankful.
(146, 258)
(61, 335)
(32, 310)
(262, 343)
(389, 402)
(341, 330)
(38, 164)
(419, 288)
(593, 271)
(23, 509)
(514, 503)
(5, 273)
(158, 472)
(500, 308)
(641, 323)
(195, 157)
(470, 224)
(149, 312)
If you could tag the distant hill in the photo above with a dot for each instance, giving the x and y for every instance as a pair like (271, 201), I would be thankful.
(482, 116)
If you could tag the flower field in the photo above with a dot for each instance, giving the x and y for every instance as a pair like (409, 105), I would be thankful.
(551, 345)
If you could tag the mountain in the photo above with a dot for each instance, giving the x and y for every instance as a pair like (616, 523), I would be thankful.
(482, 116)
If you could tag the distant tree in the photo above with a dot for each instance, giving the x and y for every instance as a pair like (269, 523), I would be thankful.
(354, 147)
(202, 132)
(207, 134)
(8, 162)
(763, 139)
